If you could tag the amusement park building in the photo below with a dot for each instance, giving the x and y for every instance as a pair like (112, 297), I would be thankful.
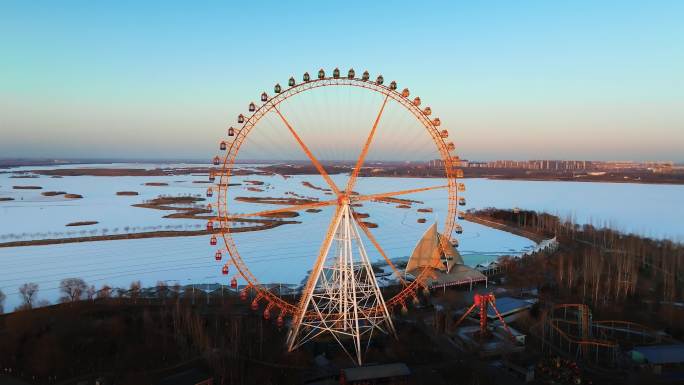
(375, 374)
(445, 263)
(659, 356)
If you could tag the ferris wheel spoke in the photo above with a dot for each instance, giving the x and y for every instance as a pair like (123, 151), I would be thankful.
(364, 151)
(358, 198)
(286, 209)
(375, 243)
(309, 154)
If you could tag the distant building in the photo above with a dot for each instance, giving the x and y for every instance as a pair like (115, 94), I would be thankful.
(661, 167)
(375, 374)
(188, 377)
(510, 308)
(659, 357)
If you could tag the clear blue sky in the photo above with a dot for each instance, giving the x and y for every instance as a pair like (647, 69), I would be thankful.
(511, 79)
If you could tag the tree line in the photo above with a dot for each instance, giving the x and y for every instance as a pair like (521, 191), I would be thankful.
(600, 264)
(76, 289)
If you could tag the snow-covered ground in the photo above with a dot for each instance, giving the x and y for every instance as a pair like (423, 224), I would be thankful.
(282, 254)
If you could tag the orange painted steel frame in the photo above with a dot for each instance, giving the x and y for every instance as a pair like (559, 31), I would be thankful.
(224, 218)
(482, 301)
(586, 340)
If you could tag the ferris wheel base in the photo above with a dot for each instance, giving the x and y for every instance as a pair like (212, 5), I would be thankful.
(343, 299)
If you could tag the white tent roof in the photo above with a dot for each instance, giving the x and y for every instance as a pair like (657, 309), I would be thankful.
(431, 252)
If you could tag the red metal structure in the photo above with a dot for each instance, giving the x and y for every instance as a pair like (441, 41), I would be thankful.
(482, 302)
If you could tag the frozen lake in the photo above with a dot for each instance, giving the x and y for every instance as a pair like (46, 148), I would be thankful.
(282, 254)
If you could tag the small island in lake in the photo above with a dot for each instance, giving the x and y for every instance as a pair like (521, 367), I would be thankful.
(82, 223)
(52, 193)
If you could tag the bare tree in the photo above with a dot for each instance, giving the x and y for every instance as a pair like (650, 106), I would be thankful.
(2, 302)
(175, 291)
(90, 292)
(162, 290)
(72, 288)
(135, 290)
(28, 292)
(105, 292)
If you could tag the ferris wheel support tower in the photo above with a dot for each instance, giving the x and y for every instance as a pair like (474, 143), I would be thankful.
(343, 291)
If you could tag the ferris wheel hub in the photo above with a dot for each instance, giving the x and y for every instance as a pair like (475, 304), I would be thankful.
(343, 200)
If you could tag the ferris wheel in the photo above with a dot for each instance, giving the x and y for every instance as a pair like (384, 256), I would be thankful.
(340, 296)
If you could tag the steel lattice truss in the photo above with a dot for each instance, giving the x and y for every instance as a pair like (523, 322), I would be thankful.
(345, 296)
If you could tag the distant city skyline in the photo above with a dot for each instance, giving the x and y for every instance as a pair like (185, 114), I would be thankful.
(511, 80)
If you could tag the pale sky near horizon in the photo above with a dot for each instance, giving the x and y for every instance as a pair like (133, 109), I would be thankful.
(587, 79)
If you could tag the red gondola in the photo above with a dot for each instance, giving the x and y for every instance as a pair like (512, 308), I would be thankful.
(216, 161)
(218, 256)
(255, 305)
(213, 240)
(225, 270)
(210, 192)
(416, 101)
(210, 226)
(212, 177)
(233, 283)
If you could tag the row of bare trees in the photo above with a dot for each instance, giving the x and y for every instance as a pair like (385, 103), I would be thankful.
(601, 264)
(76, 289)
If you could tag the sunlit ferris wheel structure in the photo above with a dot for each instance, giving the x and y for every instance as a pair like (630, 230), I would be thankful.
(341, 296)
